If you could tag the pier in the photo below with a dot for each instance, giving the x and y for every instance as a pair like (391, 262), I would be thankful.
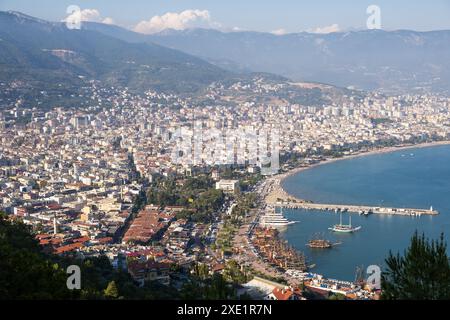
(357, 209)
(275, 195)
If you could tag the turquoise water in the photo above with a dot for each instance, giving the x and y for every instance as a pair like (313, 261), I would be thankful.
(415, 178)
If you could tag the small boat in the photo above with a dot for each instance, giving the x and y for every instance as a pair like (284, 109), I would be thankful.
(342, 228)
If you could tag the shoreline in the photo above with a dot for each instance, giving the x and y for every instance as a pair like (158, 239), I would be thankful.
(280, 178)
(276, 182)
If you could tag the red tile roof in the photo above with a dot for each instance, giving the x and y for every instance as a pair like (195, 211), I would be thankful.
(145, 226)
(285, 294)
(82, 239)
(68, 248)
(105, 240)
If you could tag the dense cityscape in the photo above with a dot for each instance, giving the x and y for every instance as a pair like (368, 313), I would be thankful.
(160, 175)
(82, 177)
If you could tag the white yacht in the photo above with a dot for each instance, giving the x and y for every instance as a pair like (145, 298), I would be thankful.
(271, 218)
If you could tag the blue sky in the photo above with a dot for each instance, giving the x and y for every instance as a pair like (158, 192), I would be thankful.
(257, 15)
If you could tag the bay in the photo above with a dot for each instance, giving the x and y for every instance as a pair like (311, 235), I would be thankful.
(413, 178)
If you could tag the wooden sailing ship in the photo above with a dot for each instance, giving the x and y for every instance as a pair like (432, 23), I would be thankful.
(319, 242)
(277, 251)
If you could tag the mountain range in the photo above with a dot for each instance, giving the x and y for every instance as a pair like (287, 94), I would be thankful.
(48, 54)
(390, 61)
(46, 64)
(39, 56)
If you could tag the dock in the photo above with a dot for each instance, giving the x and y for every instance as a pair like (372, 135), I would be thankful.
(358, 209)
(278, 197)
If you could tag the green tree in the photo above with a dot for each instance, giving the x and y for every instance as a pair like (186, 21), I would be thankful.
(423, 273)
(112, 291)
(336, 296)
(201, 271)
(233, 273)
(25, 272)
(219, 289)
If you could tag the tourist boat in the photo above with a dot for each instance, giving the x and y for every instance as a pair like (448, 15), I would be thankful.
(342, 228)
(319, 244)
(274, 219)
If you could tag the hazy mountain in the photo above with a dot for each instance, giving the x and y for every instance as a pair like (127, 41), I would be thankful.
(372, 59)
(369, 59)
(45, 63)
(46, 54)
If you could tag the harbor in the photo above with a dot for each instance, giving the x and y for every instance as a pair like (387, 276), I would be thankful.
(312, 249)
(385, 181)
(261, 245)
(275, 251)
(358, 209)
(280, 198)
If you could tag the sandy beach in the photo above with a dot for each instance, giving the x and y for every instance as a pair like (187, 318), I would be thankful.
(279, 192)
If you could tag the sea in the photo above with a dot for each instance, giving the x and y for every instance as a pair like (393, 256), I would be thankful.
(409, 178)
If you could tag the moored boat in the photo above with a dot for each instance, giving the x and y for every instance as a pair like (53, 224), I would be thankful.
(319, 244)
(271, 218)
(342, 228)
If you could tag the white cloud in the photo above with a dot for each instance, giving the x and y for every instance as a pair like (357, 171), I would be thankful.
(228, 29)
(108, 20)
(92, 15)
(178, 21)
(279, 32)
(327, 29)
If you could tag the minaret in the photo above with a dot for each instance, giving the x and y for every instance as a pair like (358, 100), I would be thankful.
(55, 231)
